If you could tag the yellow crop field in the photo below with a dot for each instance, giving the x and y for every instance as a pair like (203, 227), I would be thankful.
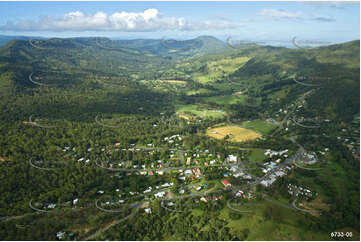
(236, 133)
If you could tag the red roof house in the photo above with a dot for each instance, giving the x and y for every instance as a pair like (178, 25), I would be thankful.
(226, 183)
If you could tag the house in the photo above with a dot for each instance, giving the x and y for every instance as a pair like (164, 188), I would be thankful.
(268, 182)
(203, 199)
(197, 171)
(159, 194)
(160, 172)
(148, 210)
(198, 188)
(182, 178)
(51, 205)
(150, 173)
(60, 235)
(226, 183)
(239, 194)
(188, 172)
(233, 169)
(237, 175)
(170, 204)
(148, 190)
(100, 192)
(117, 144)
(181, 191)
(75, 201)
(356, 156)
(165, 185)
(232, 158)
(279, 173)
(248, 177)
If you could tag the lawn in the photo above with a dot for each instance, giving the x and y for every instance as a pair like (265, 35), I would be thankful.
(217, 69)
(259, 126)
(236, 133)
(230, 99)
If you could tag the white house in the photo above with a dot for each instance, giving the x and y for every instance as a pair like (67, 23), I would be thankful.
(159, 194)
(232, 158)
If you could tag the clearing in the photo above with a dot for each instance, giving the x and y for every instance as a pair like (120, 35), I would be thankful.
(198, 111)
(230, 99)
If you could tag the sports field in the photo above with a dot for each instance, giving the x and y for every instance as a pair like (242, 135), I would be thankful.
(259, 126)
(235, 133)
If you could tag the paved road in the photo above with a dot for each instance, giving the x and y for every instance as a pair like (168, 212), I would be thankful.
(18, 216)
(41, 168)
(35, 46)
(42, 126)
(104, 125)
(38, 83)
(299, 209)
(102, 230)
(306, 84)
(290, 112)
(305, 126)
(290, 206)
(237, 210)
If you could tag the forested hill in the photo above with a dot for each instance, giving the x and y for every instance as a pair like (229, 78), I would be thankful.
(334, 70)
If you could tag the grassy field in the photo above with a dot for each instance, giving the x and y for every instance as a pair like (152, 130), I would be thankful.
(216, 69)
(198, 111)
(286, 228)
(256, 155)
(230, 99)
(237, 134)
(259, 126)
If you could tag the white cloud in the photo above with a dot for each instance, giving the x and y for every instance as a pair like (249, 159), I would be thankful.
(279, 13)
(149, 20)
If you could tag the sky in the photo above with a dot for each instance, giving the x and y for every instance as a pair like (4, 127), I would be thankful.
(332, 22)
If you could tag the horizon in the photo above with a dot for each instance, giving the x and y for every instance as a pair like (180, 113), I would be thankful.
(334, 22)
(274, 43)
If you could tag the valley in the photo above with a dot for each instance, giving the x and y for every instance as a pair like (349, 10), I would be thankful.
(162, 139)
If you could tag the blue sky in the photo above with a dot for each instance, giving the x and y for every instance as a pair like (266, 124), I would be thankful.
(253, 21)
